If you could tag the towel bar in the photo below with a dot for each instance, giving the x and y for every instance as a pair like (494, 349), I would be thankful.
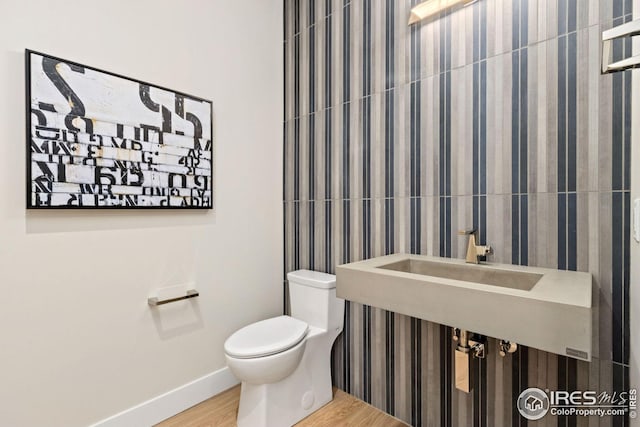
(154, 301)
(630, 29)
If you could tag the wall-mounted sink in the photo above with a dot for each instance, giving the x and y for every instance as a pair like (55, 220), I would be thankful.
(543, 308)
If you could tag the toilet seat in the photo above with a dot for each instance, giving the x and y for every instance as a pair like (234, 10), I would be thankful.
(266, 337)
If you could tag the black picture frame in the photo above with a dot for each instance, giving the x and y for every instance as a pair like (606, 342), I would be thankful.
(28, 134)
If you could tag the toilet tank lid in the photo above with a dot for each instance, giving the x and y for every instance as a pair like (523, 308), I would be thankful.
(315, 279)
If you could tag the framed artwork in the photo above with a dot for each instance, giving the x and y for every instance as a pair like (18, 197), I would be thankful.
(96, 139)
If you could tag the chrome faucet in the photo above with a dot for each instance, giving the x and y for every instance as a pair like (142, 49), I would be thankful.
(474, 252)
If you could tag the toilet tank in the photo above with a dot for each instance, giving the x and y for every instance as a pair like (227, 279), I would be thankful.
(313, 299)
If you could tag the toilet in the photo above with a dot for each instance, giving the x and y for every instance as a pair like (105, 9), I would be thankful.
(284, 362)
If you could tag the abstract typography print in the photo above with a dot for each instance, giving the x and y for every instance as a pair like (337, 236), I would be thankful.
(99, 140)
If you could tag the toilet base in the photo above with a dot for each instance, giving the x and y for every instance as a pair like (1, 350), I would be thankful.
(308, 388)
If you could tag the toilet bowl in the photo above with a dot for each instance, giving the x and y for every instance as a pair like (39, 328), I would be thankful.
(268, 351)
(284, 363)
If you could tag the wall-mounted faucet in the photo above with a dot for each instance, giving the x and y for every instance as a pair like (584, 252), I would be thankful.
(474, 252)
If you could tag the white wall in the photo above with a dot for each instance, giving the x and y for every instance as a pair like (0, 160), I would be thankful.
(634, 254)
(78, 341)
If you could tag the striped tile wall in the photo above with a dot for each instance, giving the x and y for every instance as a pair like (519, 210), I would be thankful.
(492, 116)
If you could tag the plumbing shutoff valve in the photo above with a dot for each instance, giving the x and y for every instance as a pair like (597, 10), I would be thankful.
(470, 345)
(477, 348)
(507, 347)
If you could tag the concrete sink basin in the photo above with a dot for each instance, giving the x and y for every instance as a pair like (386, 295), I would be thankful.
(542, 308)
(468, 273)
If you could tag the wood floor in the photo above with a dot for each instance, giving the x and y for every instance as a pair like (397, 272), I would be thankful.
(343, 410)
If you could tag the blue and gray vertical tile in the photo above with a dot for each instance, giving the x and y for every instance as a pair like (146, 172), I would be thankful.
(494, 117)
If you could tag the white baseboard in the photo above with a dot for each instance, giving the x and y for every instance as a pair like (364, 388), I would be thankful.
(168, 404)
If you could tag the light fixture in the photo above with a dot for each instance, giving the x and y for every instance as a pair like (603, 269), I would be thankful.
(431, 7)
